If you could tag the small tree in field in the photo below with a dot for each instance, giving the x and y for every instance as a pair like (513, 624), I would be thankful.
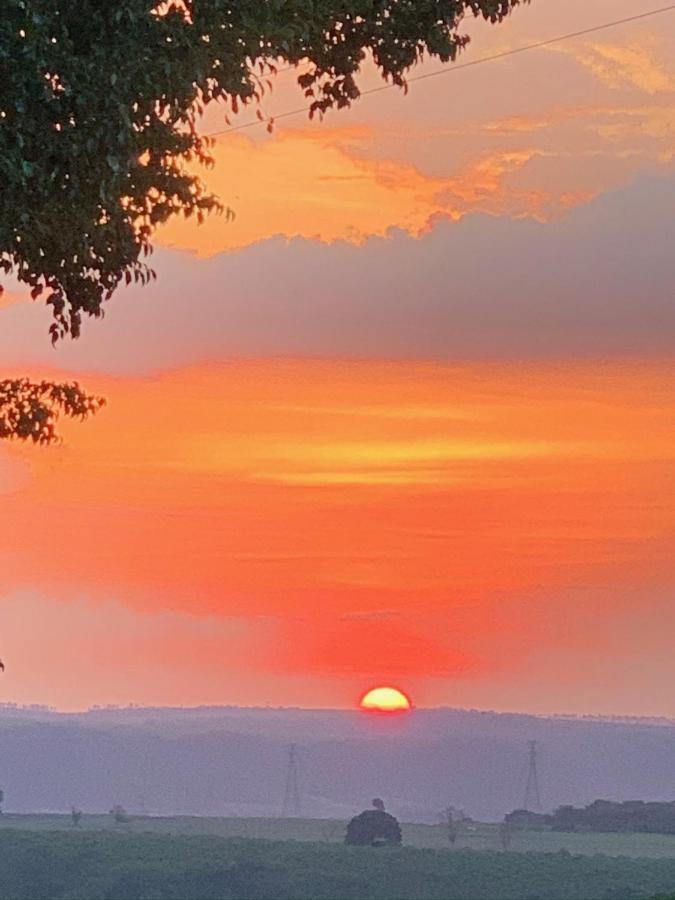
(453, 820)
(100, 106)
(506, 830)
(120, 815)
(373, 828)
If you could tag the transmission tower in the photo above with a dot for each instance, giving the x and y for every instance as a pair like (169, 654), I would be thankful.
(532, 799)
(291, 804)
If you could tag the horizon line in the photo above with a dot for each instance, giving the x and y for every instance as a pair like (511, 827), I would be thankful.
(8, 706)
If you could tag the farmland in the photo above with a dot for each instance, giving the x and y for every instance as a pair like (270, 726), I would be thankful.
(44, 856)
(433, 837)
(104, 865)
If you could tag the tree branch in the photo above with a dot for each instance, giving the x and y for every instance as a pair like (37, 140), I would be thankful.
(29, 410)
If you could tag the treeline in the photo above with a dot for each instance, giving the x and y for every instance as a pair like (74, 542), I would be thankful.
(602, 815)
(133, 866)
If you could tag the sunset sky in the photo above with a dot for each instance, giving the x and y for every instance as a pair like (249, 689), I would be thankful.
(409, 418)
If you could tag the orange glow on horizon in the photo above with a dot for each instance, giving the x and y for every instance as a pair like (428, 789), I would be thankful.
(430, 520)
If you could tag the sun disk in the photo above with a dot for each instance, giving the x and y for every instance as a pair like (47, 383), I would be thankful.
(385, 700)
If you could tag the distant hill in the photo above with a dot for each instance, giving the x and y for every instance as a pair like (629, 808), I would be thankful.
(231, 761)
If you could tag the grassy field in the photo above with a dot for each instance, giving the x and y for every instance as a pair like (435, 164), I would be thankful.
(484, 837)
(104, 865)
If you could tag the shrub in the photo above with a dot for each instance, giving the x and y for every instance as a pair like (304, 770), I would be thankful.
(372, 828)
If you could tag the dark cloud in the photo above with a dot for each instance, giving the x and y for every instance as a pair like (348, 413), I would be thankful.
(597, 283)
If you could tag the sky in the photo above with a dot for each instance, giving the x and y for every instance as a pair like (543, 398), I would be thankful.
(408, 419)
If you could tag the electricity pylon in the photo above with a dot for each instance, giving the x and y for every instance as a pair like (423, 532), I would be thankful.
(291, 804)
(532, 799)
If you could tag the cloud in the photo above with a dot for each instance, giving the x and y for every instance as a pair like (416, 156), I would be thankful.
(597, 283)
(549, 473)
(391, 462)
(620, 65)
(323, 186)
(634, 124)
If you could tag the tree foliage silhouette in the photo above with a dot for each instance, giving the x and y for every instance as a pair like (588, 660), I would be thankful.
(100, 106)
(373, 827)
(30, 410)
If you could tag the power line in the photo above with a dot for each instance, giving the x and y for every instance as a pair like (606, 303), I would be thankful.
(456, 67)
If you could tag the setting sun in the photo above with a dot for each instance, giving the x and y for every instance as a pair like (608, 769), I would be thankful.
(385, 699)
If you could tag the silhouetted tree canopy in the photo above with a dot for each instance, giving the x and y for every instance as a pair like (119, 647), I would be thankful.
(373, 827)
(652, 817)
(100, 105)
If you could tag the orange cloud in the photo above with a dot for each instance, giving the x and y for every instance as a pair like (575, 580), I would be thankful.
(620, 65)
(635, 123)
(320, 185)
(240, 491)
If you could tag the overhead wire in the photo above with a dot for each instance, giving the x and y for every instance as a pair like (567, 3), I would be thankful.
(456, 67)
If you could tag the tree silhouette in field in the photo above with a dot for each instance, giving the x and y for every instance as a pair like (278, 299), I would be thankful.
(637, 816)
(506, 830)
(120, 815)
(454, 821)
(373, 827)
(100, 105)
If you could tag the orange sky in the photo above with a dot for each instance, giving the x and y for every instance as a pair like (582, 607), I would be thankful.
(257, 520)
(361, 520)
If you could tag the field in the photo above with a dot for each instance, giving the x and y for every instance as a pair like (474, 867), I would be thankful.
(482, 837)
(106, 866)
(130, 862)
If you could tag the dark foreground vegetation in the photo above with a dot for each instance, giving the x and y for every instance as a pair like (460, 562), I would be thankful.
(128, 866)
(605, 816)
